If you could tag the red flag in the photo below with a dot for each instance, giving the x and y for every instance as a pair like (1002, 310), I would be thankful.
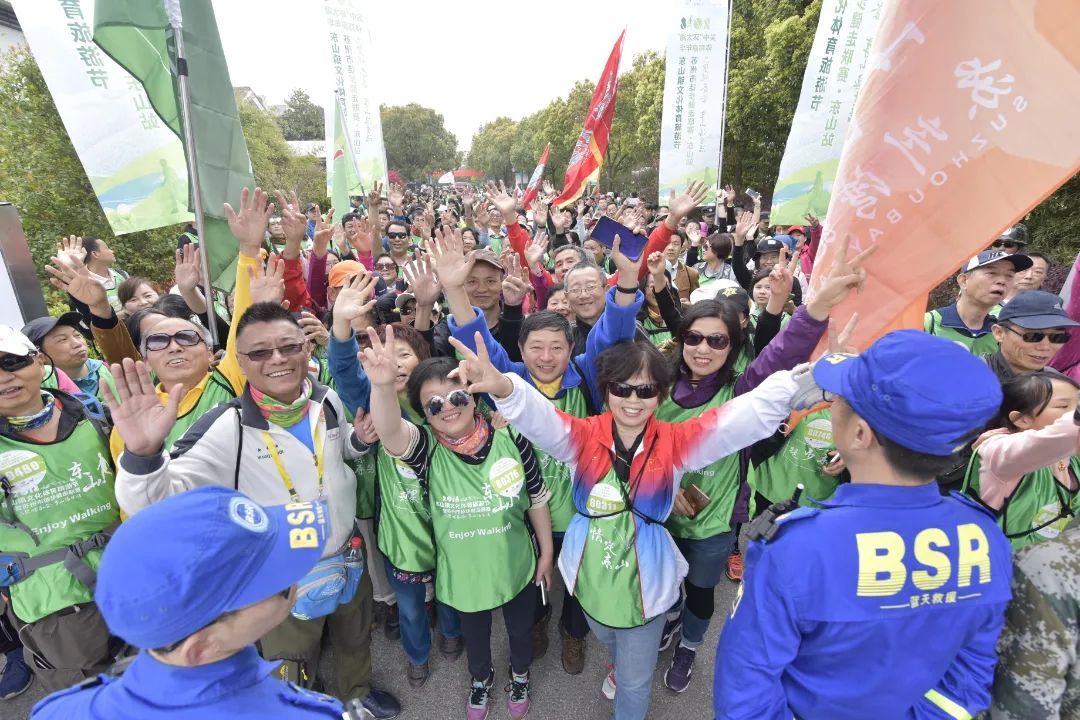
(955, 121)
(534, 182)
(591, 145)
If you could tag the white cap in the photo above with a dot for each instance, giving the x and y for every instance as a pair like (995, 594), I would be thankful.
(14, 342)
(710, 291)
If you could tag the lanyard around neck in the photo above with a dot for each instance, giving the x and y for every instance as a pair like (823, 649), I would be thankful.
(317, 456)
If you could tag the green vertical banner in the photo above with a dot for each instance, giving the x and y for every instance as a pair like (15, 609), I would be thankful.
(138, 36)
(343, 181)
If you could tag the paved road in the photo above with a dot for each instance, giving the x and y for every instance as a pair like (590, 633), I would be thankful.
(555, 694)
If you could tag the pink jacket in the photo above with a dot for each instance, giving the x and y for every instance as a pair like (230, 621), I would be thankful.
(1005, 458)
(1067, 359)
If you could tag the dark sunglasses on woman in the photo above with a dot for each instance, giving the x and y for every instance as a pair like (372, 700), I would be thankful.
(717, 341)
(436, 403)
(646, 391)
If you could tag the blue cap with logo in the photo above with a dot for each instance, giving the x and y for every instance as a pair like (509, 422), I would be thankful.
(175, 567)
(923, 392)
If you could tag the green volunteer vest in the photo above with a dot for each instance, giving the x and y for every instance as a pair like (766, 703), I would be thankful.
(404, 523)
(608, 585)
(720, 481)
(658, 334)
(485, 552)
(982, 345)
(363, 467)
(112, 293)
(217, 390)
(800, 460)
(105, 378)
(1039, 507)
(63, 491)
(557, 474)
(50, 382)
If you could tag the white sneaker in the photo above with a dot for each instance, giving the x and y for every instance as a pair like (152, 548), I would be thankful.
(608, 688)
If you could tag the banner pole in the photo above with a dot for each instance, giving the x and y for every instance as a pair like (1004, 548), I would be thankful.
(193, 171)
(348, 138)
(723, 115)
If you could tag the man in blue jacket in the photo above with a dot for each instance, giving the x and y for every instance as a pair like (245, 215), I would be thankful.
(887, 602)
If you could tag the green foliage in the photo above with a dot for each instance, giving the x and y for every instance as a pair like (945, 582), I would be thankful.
(1054, 224)
(41, 175)
(275, 165)
(416, 141)
(302, 119)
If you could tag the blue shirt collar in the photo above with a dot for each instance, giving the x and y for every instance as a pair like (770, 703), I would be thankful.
(885, 496)
(169, 686)
(950, 318)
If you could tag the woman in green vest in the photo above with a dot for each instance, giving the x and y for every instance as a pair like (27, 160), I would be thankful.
(488, 505)
(626, 465)
(57, 509)
(1026, 467)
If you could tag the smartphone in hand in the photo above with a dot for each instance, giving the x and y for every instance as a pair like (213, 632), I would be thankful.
(696, 498)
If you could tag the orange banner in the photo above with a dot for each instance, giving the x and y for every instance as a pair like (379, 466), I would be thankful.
(966, 120)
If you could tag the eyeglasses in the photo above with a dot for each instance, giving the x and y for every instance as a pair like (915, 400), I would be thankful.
(1009, 244)
(717, 342)
(397, 235)
(13, 363)
(436, 403)
(623, 390)
(583, 290)
(267, 353)
(386, 266)
(1033, 336)
(160, 341)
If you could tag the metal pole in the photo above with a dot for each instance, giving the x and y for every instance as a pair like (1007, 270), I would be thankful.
(723, 115)
(193, 178)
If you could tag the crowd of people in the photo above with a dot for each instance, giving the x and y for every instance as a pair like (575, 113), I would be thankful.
(455, 396)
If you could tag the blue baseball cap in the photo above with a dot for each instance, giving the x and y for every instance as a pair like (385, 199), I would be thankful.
(175, 567)
(923, 392)
(1036, 310)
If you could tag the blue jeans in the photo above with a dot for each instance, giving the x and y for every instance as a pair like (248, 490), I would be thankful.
(707, 559)
(633, 652)
(412, 613)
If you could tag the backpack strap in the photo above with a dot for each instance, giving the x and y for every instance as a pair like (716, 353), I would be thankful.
(73, 557)
(13, 521)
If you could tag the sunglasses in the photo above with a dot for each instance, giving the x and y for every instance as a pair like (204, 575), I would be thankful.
(624, 390)
(267, 353)
(160, 341)
(1033, 336)
(717, 342)
(436, 403)
(12, 363)
(1005, 244)
(385, 266)
(397, 235)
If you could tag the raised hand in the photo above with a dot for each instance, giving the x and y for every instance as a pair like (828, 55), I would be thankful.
(365, 427)
(502, 200)
(140, 417)
(655, 264)
(249, 225)
(729, 194)
(380, 360)
(540, 213)
(374, 198)
(515, 286)
(812, 219)
(293, 223)
(549, 189)
(396, 197)
(324, 232)
(839, 343)
(781, 280)
(693, 233)
(535, 249)
(268, 285)
(481, 215)
(423, 283)
(451, 263)
(679, 206)
(468, 197)
(743, 226)
(72, 277)
(314, 331)
(476, 372)
(70, 247)
(356, 298)
(187, 271)
(842, 277)
(627, 268)
(360, 238)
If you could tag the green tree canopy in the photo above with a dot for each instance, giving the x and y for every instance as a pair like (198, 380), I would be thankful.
(417, 142)
(302, 119)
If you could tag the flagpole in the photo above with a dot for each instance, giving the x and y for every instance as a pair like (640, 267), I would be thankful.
(723, 116)
(172, 9)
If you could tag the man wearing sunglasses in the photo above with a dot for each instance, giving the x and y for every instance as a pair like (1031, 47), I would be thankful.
(57, 510)
(1011, 241)
(985, 280)
(1030, 330)
(285, 439)
(399, 243)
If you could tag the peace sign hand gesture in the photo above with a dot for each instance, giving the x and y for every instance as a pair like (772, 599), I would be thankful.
(476, 372)
(843, 276)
